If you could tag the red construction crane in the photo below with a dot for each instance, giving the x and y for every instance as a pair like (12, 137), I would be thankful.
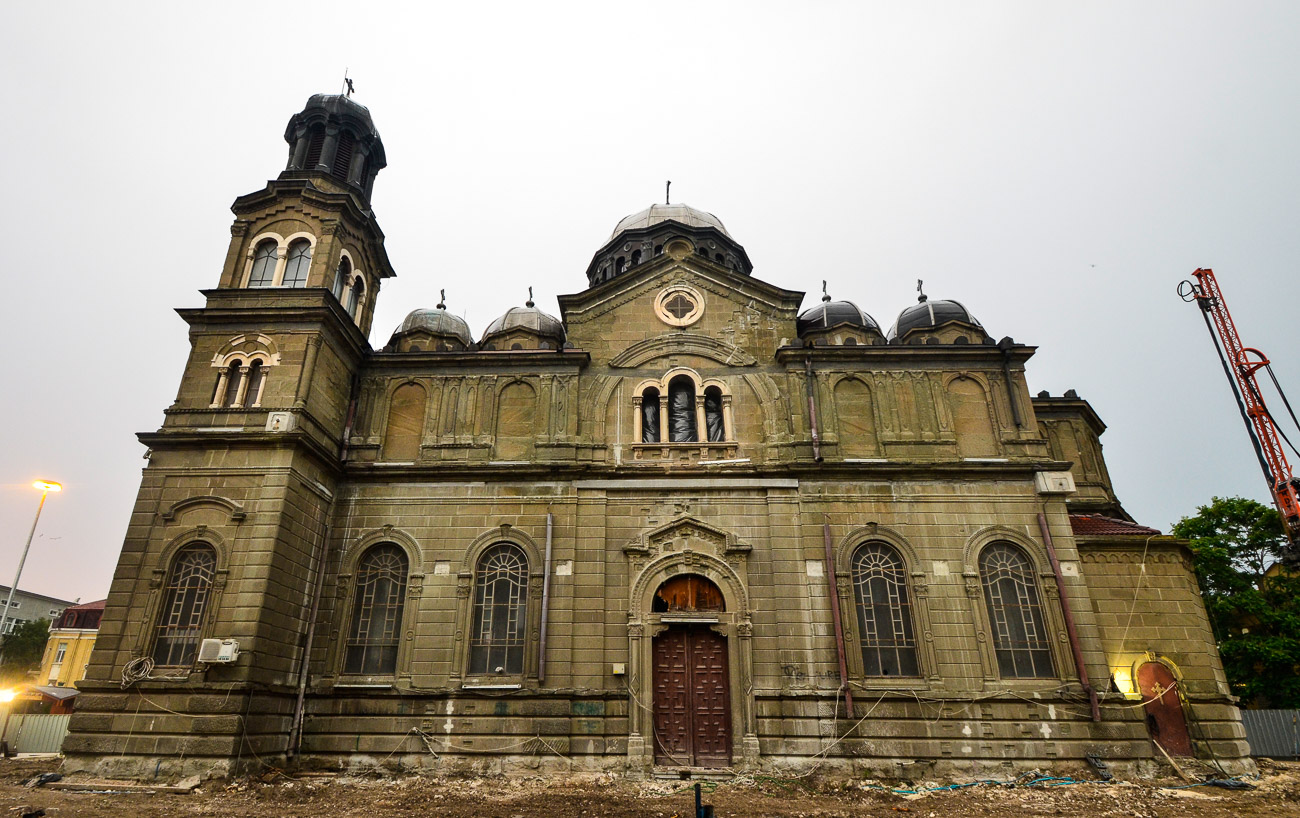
(1241, 364)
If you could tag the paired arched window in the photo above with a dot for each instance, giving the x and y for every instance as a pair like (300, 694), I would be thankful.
(885, 627)
(297, 264)
(276, 265)
(1020, 631)
(264, 261)
(496, 644)
(240, 384)
(375, 633)
(185, 599)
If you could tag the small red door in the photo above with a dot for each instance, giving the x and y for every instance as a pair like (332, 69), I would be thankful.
(1164, 710)
(692, 708)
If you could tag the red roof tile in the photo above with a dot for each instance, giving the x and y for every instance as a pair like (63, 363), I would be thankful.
(1097, 525)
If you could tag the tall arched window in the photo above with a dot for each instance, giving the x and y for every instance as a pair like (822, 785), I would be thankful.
(253, 394)
(341, 277)
(234, 372)
(180, 620)
(884, 612)
(295, 270)
(496, 643)
(375, 633)
(681, 410)
(264, 259)
(650, 416)
(1020, 633)
(355, 296)
(713, 422)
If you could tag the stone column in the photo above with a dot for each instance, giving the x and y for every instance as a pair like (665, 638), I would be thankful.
(701, 428)
(329, 149)
(305, 374)
(243, 386)
(727, 423)
(219, 395)
(638, 434)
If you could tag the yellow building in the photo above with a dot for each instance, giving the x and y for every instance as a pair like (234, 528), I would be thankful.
(72, 638)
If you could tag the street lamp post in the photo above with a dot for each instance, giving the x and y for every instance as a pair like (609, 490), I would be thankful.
(46, 486)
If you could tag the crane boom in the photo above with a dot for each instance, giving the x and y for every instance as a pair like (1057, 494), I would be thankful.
(1242, 363)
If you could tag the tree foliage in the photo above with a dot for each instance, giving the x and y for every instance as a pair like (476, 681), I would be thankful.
(22, 649)
(1254, 606)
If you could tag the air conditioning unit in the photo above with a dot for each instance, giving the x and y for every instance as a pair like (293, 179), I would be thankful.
(218, 651)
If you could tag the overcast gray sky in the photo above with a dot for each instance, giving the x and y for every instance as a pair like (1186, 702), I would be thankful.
(1057, 167)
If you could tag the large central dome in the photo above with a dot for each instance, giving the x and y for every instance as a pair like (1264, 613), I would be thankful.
(680, 213)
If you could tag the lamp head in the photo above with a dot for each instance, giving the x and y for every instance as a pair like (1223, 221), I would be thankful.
(48, 485)
(7, 695)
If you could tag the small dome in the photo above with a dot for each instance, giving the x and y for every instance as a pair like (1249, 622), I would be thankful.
(527, 318)
(342, 106)
(683, 214)
(926, 314)
(833, 313)
(436, 322)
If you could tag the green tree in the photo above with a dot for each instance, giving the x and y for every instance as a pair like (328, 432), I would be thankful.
(1254, 607)
(22, 650)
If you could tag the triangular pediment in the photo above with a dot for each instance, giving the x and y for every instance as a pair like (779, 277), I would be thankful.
(686, 534)
(734, 320)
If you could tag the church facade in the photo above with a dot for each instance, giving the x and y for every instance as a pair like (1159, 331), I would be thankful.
(684, 525)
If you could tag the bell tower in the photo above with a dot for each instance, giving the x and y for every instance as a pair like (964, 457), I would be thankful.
(227, 540)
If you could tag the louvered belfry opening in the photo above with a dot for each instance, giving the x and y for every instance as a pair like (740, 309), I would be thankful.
(343, 156)
(315, 142)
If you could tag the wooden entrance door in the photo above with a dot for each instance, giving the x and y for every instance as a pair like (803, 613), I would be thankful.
(692, 708)
(1164, 710)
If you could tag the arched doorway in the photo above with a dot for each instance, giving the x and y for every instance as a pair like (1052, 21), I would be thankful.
(692, 702)
(1164, 710)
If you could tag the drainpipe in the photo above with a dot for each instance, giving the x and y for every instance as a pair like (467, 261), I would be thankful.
(1005, 345)
(546, 600)
(812, 409)
(295, 728)
(834, 588)
(1070, 630)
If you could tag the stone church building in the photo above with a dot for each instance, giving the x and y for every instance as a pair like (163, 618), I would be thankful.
(683, 525)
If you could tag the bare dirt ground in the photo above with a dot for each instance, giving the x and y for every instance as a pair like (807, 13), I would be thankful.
(275, 795)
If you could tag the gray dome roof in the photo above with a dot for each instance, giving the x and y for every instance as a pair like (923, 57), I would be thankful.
(928, 313)
(684, 214)
(340, 105)
(529, 318)
(832, 313)
(438, 322)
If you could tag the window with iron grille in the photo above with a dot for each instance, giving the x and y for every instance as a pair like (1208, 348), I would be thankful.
(376, 628)
(180, 622)
(884, 612)
(1020, 632)
(500, 611)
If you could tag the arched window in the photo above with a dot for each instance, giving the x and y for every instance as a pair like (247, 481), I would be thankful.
(264, 259)
(636, 257)
(295, 270)
(681, 410)
(375, 633)
(180, 620)
(355, 296)
(884, 612)
(1020, 633)
(234, 372)
(496, 642)
(650, 416)
(253, 393)
(341, 277)
(620, 264)
(713, 422)
(343, 151)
